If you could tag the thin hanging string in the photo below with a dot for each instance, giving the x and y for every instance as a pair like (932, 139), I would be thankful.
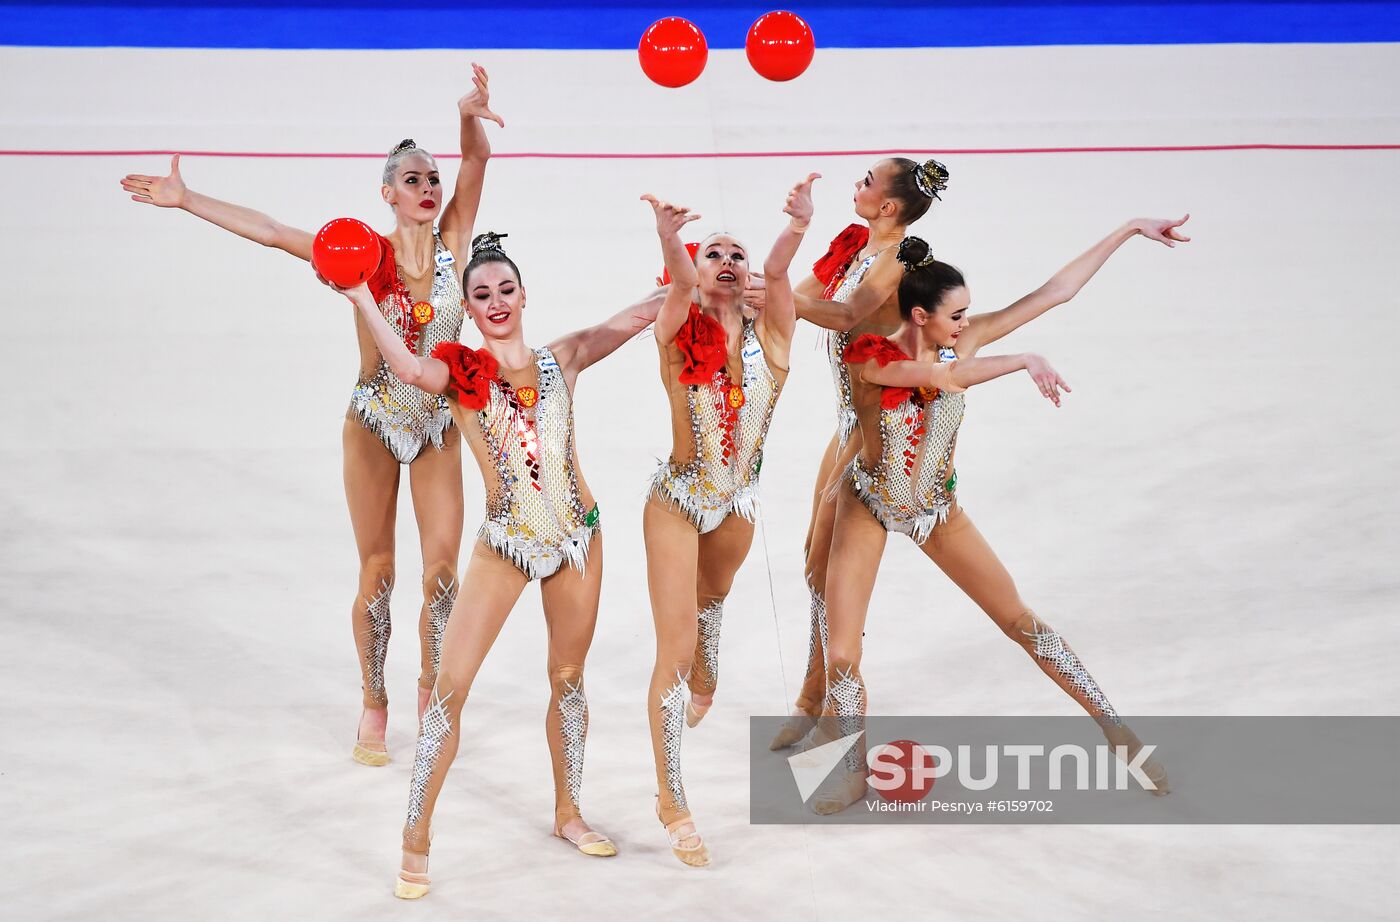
(773, 600)
(767, 560)
(782, 672)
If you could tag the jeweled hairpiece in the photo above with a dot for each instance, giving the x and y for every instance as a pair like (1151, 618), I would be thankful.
(932, 178)
(488, 241)
(907, 247)
(405, 144)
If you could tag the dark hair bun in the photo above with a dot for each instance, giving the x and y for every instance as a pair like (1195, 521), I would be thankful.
(482, 243)
(913, 253)
(405, 144)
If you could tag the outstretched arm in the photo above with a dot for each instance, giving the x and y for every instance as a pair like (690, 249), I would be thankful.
(809, 287)
(582, 348)
(881, 281)
(1065, 284)
(171, 192)
(964, 373)
(423, 372)
(756, 292)
(669, 221)
(780, 312)
(459, 216)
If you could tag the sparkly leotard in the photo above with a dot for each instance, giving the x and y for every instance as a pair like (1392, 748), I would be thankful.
(539, 512)
(836, 344)
(718, 426)
(904, 474)
(403, 417)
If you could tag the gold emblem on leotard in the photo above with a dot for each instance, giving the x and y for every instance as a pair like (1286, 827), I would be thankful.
(736, 396)
(527, 396)
(423, 312)
(928, 394)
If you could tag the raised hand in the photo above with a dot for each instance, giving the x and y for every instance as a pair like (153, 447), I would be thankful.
(756, 292)
(799, 201)
(353, 292)
(1047, 379)
(669, 218)
(477, 103)
(162, 191)
(1162, 231)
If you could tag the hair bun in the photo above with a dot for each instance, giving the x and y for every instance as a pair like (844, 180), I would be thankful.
(932, 178)
(405, 144)
(914, 253)
(489, 240)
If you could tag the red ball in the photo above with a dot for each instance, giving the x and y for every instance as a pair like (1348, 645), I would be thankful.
(345, 252)
(780, 45)
(672, 51)
(692, 249)
(902, 771)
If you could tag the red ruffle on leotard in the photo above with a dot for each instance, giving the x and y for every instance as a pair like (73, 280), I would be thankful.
(704, 347)
(883, 352)
(470, 371)
(831, 268)
(385, 279)
(869, 347)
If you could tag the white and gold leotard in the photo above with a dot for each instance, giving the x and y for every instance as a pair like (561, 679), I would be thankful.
(904, 474)
(519, 423)
(405, 418)
(718, 425)
(836, 344)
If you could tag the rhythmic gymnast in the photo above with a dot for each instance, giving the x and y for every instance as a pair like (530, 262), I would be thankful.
(389, 423)
(907, 391)
(852, 291)
(722, 372)
(514, 406)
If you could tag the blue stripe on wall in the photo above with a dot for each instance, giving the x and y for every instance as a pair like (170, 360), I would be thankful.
(602, 24)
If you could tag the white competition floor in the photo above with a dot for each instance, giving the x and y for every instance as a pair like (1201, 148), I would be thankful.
(1210, 519)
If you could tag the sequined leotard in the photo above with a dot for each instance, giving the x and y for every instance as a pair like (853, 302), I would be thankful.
(405, 418)
(718, 426)
(904, 474)
(519, 423)
(836, 344)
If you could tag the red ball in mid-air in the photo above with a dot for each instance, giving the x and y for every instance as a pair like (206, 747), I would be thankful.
(673, 51)
(780, 45)
(345, 252)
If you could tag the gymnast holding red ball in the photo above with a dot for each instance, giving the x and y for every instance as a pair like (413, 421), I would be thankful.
(414, 276)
